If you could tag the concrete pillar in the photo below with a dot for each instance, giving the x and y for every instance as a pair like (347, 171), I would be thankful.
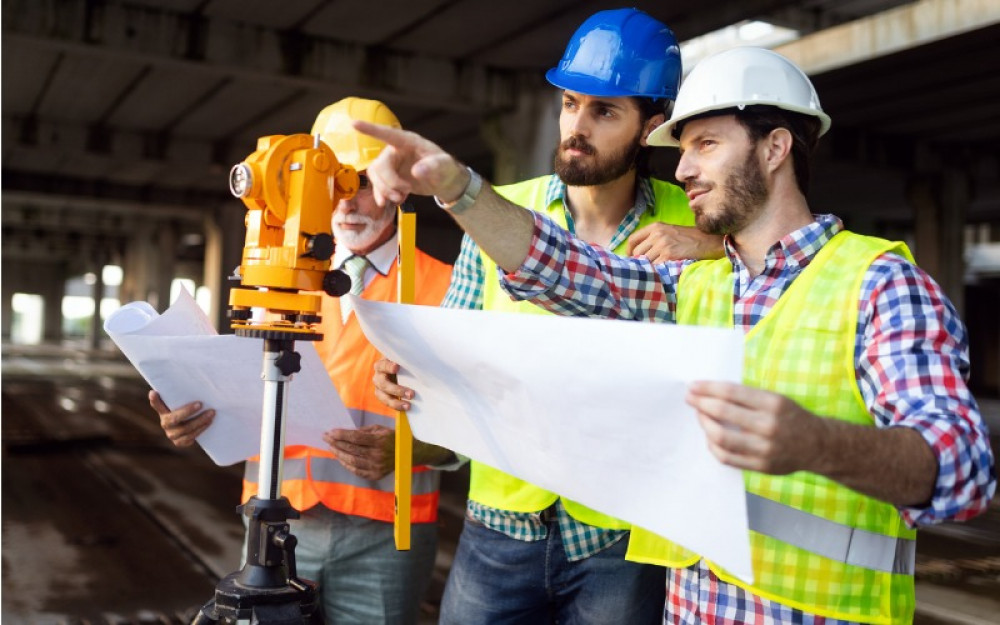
(940, 203)
(44, 277)
(524, 140)
(149, 263)
(165, 252)
(7, 311)
(225, 236)
(136, 264)
(52, 294)
(96, 329)
(956, 194)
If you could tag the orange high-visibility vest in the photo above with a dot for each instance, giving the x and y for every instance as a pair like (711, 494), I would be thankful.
(312, 476)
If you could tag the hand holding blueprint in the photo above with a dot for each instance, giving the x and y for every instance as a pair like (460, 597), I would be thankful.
(591, 409)
(180, 355)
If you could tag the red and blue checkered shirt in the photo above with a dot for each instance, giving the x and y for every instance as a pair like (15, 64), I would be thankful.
(911, 356)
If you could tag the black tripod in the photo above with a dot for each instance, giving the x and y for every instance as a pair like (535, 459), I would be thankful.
(267, 589)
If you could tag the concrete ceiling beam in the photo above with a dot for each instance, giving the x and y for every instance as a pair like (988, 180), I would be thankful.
(888, 32)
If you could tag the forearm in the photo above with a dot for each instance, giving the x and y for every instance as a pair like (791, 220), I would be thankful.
(895, 464)
(501, 228)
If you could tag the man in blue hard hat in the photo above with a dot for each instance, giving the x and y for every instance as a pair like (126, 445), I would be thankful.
(527, 555)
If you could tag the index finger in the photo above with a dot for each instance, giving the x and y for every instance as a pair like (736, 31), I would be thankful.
(387, 134)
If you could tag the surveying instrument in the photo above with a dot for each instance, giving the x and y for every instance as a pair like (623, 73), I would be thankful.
(290, 186)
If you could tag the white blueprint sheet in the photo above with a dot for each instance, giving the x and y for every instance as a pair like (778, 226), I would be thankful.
(180, 355)
(589, 408)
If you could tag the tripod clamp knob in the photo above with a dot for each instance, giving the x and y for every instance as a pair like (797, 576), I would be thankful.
(288, 362)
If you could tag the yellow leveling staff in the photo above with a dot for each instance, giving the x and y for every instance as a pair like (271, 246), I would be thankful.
(404, 436)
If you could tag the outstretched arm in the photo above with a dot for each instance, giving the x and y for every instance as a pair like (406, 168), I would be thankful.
(543, 262)
(412, 164)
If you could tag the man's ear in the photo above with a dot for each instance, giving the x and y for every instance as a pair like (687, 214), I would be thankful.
(777, 147)
(651, 123)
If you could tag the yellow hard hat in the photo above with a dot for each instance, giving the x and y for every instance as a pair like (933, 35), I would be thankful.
(333, 124)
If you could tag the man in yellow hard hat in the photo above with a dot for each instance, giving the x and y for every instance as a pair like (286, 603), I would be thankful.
(853, 424)
(345, 533)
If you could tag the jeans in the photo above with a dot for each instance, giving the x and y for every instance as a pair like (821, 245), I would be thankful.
(496, 579)
(362, 578)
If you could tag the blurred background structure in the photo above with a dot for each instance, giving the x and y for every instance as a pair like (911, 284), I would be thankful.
(121, 120)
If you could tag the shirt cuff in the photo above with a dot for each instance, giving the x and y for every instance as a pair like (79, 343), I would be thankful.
(962, 489)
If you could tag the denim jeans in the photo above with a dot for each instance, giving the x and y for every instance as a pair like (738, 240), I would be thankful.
(362, 578)
(496, 579)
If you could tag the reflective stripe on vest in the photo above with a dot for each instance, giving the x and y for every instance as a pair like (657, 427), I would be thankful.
(849, 545)
(493, 487)
(323, 469)
(362, 418)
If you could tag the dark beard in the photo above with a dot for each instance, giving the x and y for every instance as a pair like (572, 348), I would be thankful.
(602, 171)
(745, 191)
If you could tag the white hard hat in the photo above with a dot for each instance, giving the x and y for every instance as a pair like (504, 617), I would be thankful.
(738, 78)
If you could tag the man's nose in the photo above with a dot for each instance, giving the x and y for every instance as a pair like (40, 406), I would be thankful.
(347, 206)
(685, 168)
(579, 125)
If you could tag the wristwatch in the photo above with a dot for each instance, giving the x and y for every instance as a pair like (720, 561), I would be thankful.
(468, 197)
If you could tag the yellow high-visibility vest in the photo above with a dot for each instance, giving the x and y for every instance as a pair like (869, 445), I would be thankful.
(816, 545)
(493, 487)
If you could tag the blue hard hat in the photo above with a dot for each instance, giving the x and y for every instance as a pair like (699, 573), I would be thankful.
(622, 52)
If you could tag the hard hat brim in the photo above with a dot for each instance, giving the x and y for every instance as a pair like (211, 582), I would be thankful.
(588, 85)
(663, 135)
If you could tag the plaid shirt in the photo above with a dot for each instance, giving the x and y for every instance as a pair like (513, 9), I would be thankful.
(911, 353)
(466, 291)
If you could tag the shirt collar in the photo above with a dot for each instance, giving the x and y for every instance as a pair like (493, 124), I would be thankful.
(797, 248)
(381, 258)
(644, 200)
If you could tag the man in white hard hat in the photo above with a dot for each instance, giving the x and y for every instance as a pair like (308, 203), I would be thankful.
(345, 533)
(854, 424)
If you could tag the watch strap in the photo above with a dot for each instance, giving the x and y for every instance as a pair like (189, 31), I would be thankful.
(468, 197)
